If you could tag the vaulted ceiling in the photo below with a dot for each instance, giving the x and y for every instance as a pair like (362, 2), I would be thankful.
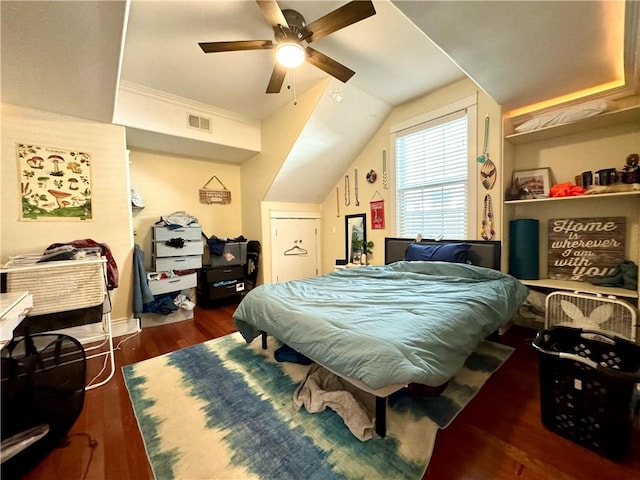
(69, 57)
(520, 52)
(393, 59)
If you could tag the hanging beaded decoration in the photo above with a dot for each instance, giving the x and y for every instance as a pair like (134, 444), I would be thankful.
(488, 173)
(487, 232)
(347, 191)
(355, 186)
(385, 179)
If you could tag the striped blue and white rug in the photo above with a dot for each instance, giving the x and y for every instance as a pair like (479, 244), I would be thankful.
(224, 410)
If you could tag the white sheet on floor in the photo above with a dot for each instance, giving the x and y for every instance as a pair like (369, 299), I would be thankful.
(322, 388)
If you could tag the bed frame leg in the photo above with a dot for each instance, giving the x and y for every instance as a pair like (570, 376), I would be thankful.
(381, 416)
(264, 340)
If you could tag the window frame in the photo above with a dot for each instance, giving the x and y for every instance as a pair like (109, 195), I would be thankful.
(470, 105)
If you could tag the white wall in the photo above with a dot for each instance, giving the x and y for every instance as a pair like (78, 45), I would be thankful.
(170, 183)
(111, 222)
(371, 158)
(155, 111)
(279, 134)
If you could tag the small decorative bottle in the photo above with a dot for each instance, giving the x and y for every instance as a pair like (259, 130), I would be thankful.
(363, 258)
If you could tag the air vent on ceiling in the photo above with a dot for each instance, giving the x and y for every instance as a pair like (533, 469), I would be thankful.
(199, 123)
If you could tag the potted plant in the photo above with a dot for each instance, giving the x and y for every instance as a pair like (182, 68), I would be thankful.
(360, 246)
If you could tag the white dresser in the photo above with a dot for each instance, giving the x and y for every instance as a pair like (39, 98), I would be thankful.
(176, 249)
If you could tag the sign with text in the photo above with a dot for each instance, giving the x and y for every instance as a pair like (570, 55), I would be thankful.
(377, 214)
(580, 248)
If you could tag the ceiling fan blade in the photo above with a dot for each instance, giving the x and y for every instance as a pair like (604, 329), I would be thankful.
(212, 47)
(277, 78)
(272, 12)
(329, 65)
(341, 17)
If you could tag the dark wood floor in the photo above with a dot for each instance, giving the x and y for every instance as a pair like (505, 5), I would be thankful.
(497, 436)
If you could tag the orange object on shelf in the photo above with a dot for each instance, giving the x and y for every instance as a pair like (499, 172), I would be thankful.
(566, 189)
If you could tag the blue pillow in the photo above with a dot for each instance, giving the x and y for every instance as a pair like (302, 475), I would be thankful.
(446, 252)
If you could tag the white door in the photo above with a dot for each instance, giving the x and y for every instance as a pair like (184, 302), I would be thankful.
(294, 248)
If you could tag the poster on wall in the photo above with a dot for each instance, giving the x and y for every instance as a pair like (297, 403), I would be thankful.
(377, 214)
(580, 248)
(55, 184)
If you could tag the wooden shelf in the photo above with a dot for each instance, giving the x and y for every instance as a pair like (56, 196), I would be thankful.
(583, 287)
(616, 117)
(579, 197)
(532, 144)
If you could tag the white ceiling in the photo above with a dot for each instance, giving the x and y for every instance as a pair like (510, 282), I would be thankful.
(392, 59)
(526, 52)
(63, 56)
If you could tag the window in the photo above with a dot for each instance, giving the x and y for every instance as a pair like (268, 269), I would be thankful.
(432, 177)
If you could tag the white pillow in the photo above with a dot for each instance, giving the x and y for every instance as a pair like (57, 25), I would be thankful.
(567, 115)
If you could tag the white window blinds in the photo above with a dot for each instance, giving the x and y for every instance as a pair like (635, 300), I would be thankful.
(431, 178)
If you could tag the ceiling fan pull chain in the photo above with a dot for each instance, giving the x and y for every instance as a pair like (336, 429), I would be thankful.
(295, 97)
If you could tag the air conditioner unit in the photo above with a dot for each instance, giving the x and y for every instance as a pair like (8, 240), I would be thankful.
(591, 312)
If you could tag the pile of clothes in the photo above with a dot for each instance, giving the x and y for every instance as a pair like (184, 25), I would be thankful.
(625, 275)
(76, 249)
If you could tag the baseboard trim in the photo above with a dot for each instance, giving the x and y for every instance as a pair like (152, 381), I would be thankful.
(155, 319)
(94, 332)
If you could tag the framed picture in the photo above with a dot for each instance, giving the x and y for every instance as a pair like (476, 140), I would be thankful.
(532, 183)
(55, 184)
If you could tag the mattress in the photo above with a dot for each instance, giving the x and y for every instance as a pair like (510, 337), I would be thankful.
(407, 322)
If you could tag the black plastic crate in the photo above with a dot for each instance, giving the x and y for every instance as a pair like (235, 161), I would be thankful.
(587, 380)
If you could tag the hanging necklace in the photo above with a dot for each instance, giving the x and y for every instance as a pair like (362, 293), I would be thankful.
(487, 232)
(347, 191)
(384, 170)
(355, 186)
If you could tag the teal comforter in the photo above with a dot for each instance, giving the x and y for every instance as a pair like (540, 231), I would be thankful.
(384, 325)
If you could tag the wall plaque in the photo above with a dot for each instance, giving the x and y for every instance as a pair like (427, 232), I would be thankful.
(580, 248)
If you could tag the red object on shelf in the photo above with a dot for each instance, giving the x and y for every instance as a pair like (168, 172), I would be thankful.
(566, 189)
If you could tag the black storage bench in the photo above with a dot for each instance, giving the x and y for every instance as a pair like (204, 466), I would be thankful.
(222, 276)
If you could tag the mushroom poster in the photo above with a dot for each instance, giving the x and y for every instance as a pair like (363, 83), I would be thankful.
(55, 184)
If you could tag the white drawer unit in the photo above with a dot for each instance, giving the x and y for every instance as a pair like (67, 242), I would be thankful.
(190, 247)
(177, 248)
(165, 264)
(191, 232)
(173, 284)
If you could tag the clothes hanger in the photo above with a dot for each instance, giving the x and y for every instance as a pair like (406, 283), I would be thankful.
(295, 250)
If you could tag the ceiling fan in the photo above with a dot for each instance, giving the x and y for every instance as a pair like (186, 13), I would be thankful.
(292, 32)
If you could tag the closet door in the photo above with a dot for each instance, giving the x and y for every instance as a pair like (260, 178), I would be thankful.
(294, 248)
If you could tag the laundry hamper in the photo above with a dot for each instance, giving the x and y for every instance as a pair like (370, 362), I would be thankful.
(58, 286)
(62, 286)
(587, 382)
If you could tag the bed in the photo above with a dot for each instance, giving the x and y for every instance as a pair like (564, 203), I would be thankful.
(383, 327)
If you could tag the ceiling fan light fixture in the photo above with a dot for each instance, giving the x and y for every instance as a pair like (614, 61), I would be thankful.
(290, 54)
